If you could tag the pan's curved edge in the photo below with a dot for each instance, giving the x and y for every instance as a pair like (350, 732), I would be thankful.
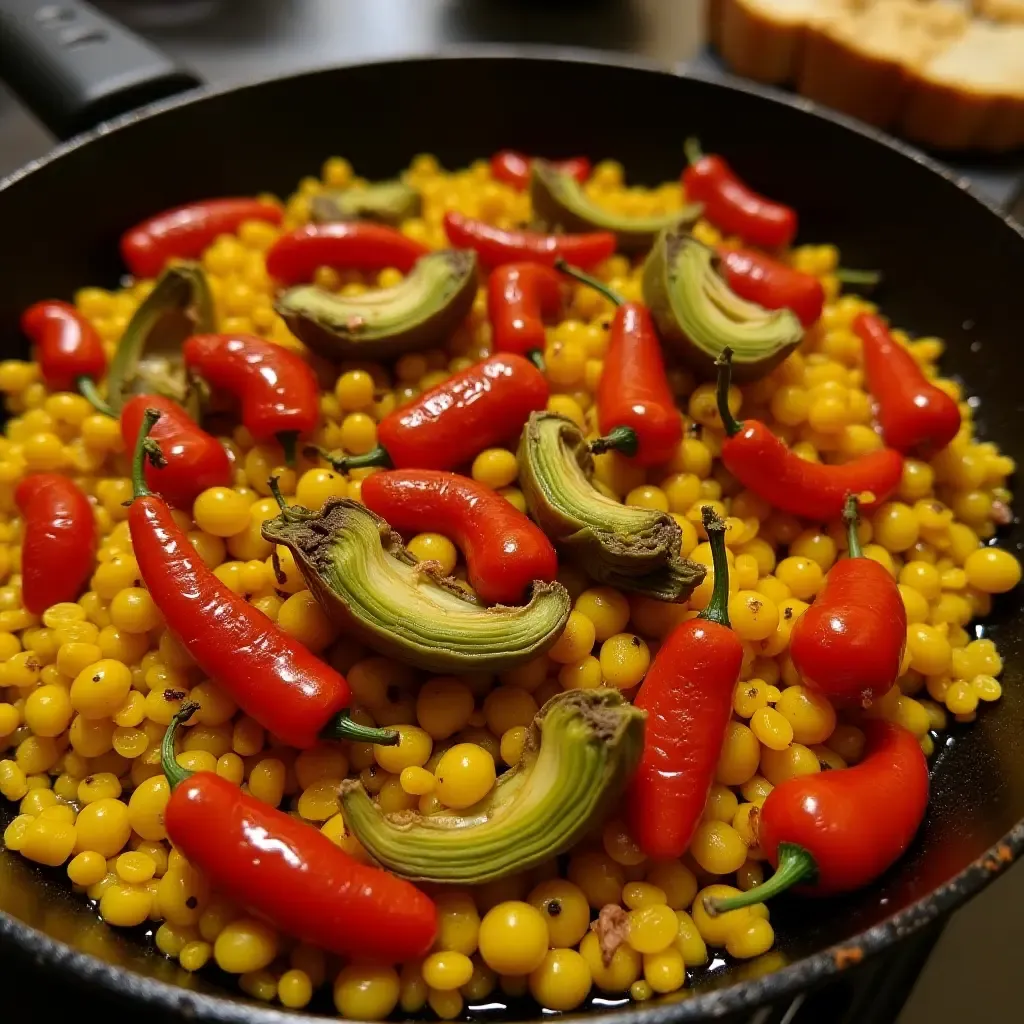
(745, 995)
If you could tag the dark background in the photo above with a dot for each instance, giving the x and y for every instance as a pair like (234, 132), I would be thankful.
(972, 971)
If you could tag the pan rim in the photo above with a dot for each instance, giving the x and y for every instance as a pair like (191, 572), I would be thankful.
(741, 996)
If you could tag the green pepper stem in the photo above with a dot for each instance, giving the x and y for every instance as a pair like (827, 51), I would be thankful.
(341, 727)
(537, 358)
(288, 439)
(795, 865)
(717, 609)
(145, 448)
(693, 151)
(852, 520)
(864, 278)
(724, 365)
(621, 439)
(599, 286)
(275, 490)
(88, 390)
(168, 762)
(377, 456)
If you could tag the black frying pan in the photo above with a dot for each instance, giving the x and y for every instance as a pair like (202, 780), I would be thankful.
(952, 266)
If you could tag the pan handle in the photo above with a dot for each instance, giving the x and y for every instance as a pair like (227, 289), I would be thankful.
(74, 67)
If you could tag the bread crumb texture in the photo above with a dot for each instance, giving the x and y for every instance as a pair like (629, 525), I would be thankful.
(945, 73)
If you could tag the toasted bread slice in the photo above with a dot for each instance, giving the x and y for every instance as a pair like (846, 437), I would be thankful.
(764, 39)
(1000, 10)
(861, 63)
(971, 94)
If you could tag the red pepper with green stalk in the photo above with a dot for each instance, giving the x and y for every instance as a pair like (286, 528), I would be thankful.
(288, 873)
(270, 675)
(504, 551)
(814, 490)
(58, 546)
(687, 694)
(916, 416)
(277, 388)
(69, 350)
(732, 206)
(514, 169)
(849, 643)
(837, 831)
(457, 419)
(519, 297)
(359, 244)
(636, 411)
(193, 459)
(495, 246)
(185, 231)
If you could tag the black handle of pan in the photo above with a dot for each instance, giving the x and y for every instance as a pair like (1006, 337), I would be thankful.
(75, 67)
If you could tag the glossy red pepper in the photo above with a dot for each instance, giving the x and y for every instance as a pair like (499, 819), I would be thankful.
(687, 694)
(837, 831)
(731, 206)
(277, 388)
(758, 278)
(288, 873)
(194, 460)
(294, 257)
(519, 297)
(504, 551)
(59, 542)
(68, 348)
(849, 643)
(185, 231)
(514, 169)
(762, 463)
(636, 410)
(456, 420)
(495, 246)
(915, 416)
(271, 676)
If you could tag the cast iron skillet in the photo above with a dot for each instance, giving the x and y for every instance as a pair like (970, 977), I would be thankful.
(951, 265)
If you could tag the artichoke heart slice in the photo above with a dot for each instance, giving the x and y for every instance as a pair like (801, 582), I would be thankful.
(698, 315)
(364, 578)
(422, 309)
(148, 356)
(580, 752)
(386, 202)
(558, 201)
(618, 545)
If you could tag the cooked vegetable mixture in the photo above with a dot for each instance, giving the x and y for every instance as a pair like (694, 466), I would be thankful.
(399, 597)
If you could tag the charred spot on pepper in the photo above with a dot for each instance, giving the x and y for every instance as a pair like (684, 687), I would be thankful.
(172, 695)
(427, 305)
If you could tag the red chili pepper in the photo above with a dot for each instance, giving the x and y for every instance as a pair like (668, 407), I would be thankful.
(733, 207)
(287, 872)
(59, 543)
(277, 388)
(460, 417)
(514, 168)
(519, 296)
(185, 231)
(636, 411)
(294, 257)
(837, 831)
(272, 677)
(762, 463)
(687, 694)
(193, 459)
(849, 643)
(495, 246)
(758, 278)
(915, 416)
(68, 349)
(504, 550)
